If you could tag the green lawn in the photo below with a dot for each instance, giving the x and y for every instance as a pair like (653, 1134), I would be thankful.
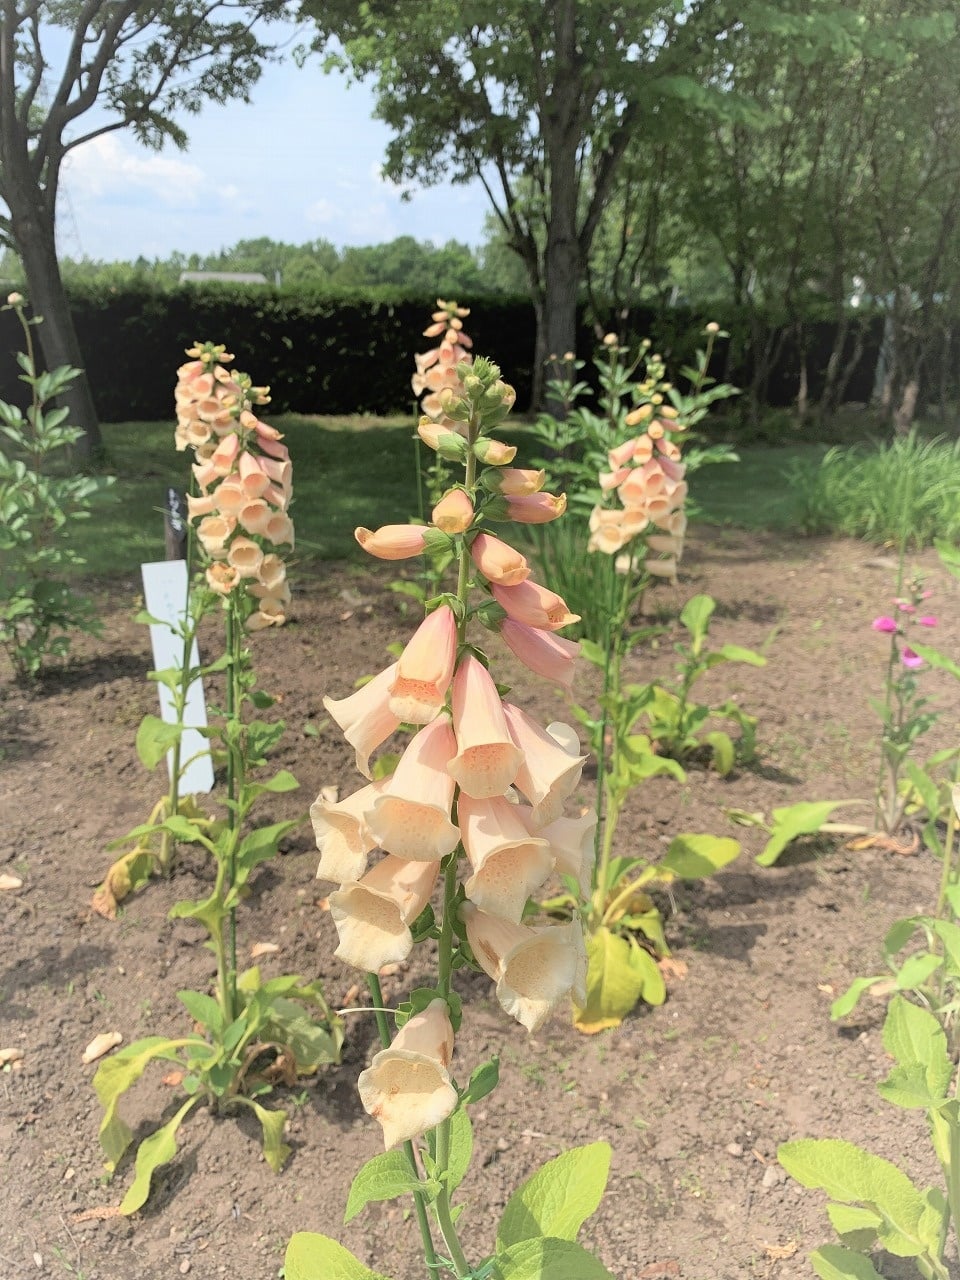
(350, 471)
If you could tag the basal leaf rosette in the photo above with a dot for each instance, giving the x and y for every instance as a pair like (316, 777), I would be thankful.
(476, 798)
(244, 481)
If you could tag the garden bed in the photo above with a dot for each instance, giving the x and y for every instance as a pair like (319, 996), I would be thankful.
(693, 1097)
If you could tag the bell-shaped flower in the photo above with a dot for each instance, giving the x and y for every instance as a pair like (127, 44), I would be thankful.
(204, 505)
(373, 915)
(498, 562)
(407, 1087)
(411, 818)
(279, 529)
(534, 969)
(255, 516)
(548, 773)
(545, 654)
(271, 613)
(214, 532)
(272, 573)
(494, 453)
(535, 508)
(662, 568)
(393, 541)
(508, 862)
(571, 842)
(517, 482)
(224, 457)
(230, 497)
(245, 556)
(365, 716)
(342, 834)
(487, 758)
(425, 668)
(537, 606)
(253, 478)
(453, 513)
(222, 577)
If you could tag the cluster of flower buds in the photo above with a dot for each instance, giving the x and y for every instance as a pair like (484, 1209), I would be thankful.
(647, 476)
(480, 783)
(438, 368)
(907, 609)
(244, 478)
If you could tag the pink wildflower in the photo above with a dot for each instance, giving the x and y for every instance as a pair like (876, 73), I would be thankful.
(884, 624)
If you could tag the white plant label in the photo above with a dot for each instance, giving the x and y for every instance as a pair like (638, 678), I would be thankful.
(165, 598)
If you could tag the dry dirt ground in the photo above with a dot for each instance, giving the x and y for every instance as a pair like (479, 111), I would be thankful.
(693, 1097)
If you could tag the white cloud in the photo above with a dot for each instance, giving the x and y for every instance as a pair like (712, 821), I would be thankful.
(322, 211)
(105, 166)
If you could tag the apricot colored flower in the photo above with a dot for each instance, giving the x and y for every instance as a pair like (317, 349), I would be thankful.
(222, 577)
(365, 716)
(545, 654)
(393, 541)
(453, 513)
(411, 817)
(214, 532)
(571, 842)
(508, 862)
(537, 606)
(548, 773)
(407, 1087)
(425, 668)
(487, 758)
(534, 969)
(245, 556)
(497, 561)
(342, 834)
(536, 508)
(516, 482)
(373, 915)
(271, 613)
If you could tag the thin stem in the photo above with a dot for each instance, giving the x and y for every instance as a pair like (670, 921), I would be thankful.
(420, 1204)
(235, 779)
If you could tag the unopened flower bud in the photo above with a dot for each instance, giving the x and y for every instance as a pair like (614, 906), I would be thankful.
(610, 340)
(14, 299)
(494, 453)
(712, 327)
(638, 415)
(454, 512)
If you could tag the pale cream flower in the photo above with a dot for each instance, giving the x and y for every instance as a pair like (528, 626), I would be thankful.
(487, 759)
(342, 835)
(425, 668)
(407, 1087)
(508, 862)
(548, 773)
(365, 716)
(411, 818)
(373, 915)
(534, 969)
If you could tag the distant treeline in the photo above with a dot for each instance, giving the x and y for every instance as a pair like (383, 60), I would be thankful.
(352, 352)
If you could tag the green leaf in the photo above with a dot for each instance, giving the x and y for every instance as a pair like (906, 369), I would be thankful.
(736, 653)
(260, 845)
(614, 983)
(934, 658)
(851, 997)
(281, 781)
(154, 739)
(310, 1256)
(834, 1262)
(158, 1149)
(915, 970)
(203, 1009)
(483, 1080)
(549, 1259)
(114, 1076)
(917, 1041)
(854, 1176)
(385, 1177)
(558, 1198)
(724, 753)
(856, 1226)
(696, 615)
(801, 819)
(461, 1148)
(691, 857)
(272, 1122)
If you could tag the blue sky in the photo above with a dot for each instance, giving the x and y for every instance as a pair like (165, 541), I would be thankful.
(300, 162)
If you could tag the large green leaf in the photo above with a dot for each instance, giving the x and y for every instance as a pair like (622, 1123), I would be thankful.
(154, 739)
(558, 1198)
(854, 1176)
(851, 997)
(260, 845)
(857, 1227)
(549, 1260)
(614, 982)
(914, 1037)
(310, 1256)
(691, 857)
(795, 820)
(695, 616)
(385, 1177)
(154, 1151)
(461, 1148)
(834, 1262)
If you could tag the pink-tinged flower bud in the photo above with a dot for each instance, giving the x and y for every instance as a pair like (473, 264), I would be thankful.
(487, 759)
(927, 621)
(885, 624)
(508, 863)
(910, 659)
(222, 577)
(365, 716)
(534, 969)
(14, 299)
(407, 1087)
(245, 556)
(425, 668)
(494, 453)
(342, 835)
(453, 513)
(214, 532)
(373, 915)
(393, 541)
(548, 774)
(412, 816)
(497, 561)
(613, 479)
(434, 330)
(536, 508)
(517, 482)
(534, 605)
(622, 454)
(547, 655)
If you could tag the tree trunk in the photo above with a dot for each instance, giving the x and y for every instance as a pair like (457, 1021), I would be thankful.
(57, 335)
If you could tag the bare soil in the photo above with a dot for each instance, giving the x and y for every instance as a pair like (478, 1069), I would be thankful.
(693, 1097)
